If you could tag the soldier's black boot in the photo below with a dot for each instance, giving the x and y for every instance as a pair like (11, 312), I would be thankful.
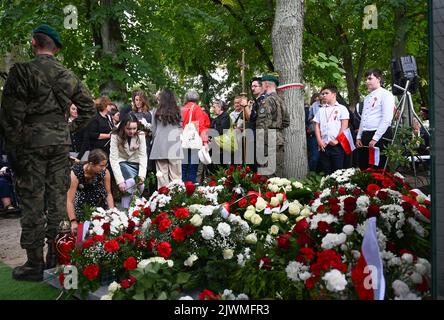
(32, 270)
(51, 258)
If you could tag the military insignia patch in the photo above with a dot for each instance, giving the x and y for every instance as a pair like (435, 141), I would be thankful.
(262, 110)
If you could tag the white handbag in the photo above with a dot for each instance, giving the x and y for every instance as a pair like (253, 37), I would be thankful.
(190, 136)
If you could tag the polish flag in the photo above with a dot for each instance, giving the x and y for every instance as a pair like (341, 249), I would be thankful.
(82, 230)
(370, 264)
(417, 192)
(346, 141)
(373, 156)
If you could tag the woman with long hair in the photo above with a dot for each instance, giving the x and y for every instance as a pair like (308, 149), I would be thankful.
(90, 185)
(128, 155)
(140, 108)
(166, 149)
(99, 129)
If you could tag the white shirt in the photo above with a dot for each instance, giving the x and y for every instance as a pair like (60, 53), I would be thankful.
(377, 113)
(329, 119)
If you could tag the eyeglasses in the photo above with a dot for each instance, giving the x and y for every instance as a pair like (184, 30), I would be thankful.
(254, 86)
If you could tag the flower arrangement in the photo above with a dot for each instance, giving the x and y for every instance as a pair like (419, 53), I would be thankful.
(267, 238)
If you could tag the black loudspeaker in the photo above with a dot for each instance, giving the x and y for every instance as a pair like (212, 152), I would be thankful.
(403, 69)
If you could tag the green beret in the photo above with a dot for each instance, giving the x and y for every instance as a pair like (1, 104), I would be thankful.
(270, 77)
(50, 32)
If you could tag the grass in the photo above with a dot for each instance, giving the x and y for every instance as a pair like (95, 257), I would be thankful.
(11, 289)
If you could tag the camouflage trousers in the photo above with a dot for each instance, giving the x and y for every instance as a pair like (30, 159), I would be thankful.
(42, 188)
(274, 165)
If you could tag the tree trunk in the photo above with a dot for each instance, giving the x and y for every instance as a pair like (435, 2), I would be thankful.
(108, 36)
(401, 24)
(287, 52)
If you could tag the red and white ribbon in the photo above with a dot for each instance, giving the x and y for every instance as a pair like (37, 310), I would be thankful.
(290, 85)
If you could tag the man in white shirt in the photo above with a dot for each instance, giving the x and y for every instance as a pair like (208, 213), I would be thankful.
(331, 120)
(236, 116)
(376, 119)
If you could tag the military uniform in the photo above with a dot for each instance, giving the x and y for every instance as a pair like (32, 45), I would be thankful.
(272, 114)
(35, 99)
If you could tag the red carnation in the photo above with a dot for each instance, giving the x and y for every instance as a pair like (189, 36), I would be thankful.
(317, 194)
(164, 249)
(387, 183)
(334, 209)
(130, 263)
(253, 201)
(87, 243)
(99, 238)
(126, 283)
(243, 175)
(91, 271)
(304, 240)
(242, 203)
(333, 201)
(182, 213)
(320, 209)
(283, 241)
(106, 227)
(356, 192)
(212, 184)
(306, 254)
(349, 204)
(372, 189)
(324, 227)
(208, 295)
(131, 226)
(135, 213)
(151, 244)
(163, 190)
(342, 191)
(147, 212)
(309, 283)
(266, 263)
(407, 206)
(164, 224)
(112, 246)
(129, 237)
(190, 187)
(178, 234)
(373, 211)
(247, 169)
(160, 217)
(350, 218)
(383, 195)
(189, 229)
(301, 226)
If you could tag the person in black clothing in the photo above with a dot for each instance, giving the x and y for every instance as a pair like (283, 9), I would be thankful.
(220, 123)
(99, 130)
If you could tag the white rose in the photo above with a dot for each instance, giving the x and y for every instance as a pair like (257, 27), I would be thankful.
(228, 254)
(304, 275)
(196, 220)
(261, 204)
(113, 287)
(159, 174)
(274, 202)
(297, 185)
(288, 188)
(207, 232)
(273, 188)
(348, 229)
(275, 216)
(401, 289)
(190, 260)
(106, 297)
(294, 208)
(224, 229)
(170, 263)
(248, 214)
(280, 197)
(256, 219)
(251, 238)
(335, 280)
(283, 218)
(420, 268)
(416, 278)
(356, 254)
(305, 212)
(274, 230)
(407, 257)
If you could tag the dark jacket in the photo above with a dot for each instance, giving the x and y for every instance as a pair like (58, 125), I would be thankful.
(35, 98)
(221, 122)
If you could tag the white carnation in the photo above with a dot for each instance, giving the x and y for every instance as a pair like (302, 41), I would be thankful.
(348, 229)
(224, 229)
(207, 232)
(335, 280)
(190, 260)
(401, 288)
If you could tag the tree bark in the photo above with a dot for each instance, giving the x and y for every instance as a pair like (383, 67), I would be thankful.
(287, 37)
(401, 23)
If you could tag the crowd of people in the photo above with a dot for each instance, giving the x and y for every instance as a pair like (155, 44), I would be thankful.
(47, 113)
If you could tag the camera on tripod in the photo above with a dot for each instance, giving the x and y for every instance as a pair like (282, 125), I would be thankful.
(403, 69)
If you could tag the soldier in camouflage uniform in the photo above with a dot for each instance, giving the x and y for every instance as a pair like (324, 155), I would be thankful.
(35, 99)
(272, 119)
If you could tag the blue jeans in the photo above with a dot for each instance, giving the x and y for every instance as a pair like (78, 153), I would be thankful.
(190, 165)
(313, 158)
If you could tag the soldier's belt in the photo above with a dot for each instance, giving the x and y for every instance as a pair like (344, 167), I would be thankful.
(40, 118)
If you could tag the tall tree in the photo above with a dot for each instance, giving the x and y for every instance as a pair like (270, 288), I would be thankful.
(287, 38)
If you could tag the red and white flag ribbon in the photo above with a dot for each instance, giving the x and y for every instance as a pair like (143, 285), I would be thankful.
(290, 85)
(373, 261)
(417, 192)
(346, 141)
(373, 156)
